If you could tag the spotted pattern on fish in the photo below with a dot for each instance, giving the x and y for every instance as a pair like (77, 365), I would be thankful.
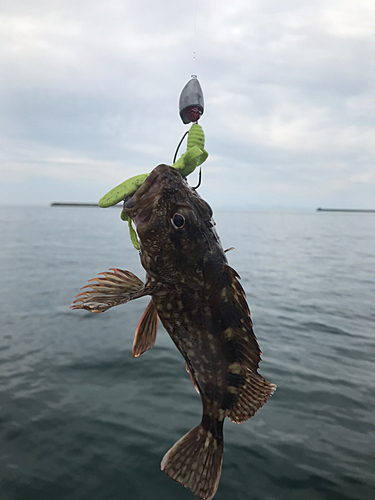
(199, 300)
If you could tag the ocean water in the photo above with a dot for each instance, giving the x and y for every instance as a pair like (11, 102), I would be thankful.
(81, 419)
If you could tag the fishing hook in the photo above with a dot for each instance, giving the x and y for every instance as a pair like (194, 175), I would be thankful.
(199, 179)
(179, 144)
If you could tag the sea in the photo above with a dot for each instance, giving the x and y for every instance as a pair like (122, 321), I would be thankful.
(81, 419)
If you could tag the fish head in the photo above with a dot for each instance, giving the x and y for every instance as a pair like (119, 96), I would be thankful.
(174, 226)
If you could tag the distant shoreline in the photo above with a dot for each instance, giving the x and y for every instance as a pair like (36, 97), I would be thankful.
(345, 210)
(64, 204)
(319, 209)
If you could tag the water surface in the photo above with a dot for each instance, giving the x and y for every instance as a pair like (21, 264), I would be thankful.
(81, 419)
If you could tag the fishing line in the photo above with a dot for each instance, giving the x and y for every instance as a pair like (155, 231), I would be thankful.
(195, 40)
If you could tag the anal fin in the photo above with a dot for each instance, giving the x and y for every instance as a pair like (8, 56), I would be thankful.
(251, 396)
(146, 331)
(109, 289)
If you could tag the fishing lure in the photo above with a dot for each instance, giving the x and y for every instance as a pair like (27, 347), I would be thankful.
(191, 106)
(194, 156)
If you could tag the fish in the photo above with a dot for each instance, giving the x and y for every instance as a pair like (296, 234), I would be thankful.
(199, 300)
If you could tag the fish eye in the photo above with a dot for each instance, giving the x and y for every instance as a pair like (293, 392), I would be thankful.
(178, 221)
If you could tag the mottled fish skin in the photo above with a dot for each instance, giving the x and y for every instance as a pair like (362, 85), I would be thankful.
(202, 305)
(203, 308)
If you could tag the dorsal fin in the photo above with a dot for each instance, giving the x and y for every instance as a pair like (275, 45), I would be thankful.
(252, 390)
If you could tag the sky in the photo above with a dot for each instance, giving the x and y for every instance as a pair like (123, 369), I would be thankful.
(89, 96)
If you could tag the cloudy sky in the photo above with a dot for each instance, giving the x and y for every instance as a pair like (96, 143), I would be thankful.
(89, 97)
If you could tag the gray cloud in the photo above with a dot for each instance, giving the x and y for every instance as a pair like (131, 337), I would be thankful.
(89, 94)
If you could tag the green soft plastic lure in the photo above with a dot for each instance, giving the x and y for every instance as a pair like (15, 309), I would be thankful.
(194, 156)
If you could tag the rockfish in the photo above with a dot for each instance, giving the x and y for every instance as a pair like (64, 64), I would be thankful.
(200, 302)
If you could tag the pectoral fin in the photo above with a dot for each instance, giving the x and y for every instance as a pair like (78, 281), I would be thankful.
(112, 289)
(145, 333)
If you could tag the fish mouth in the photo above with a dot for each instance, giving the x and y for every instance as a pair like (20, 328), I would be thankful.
(141, 206)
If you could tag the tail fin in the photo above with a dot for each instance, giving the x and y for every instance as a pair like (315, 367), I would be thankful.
(195, 462)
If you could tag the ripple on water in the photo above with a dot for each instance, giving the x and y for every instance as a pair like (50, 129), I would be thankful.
(81, 419)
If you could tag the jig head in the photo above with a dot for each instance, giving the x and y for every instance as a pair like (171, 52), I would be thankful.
(191, 101)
